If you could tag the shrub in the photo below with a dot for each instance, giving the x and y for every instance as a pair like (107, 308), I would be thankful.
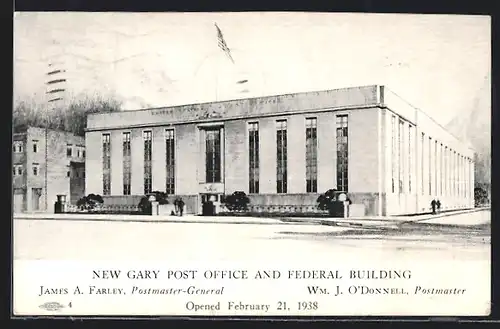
(329, 201)
(90, 201)
(145, 205)
(161, 197)
(480, 196)
(238, 201)
(326, 199)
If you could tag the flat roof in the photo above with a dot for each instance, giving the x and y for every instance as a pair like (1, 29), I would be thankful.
(239, 108)
(285, 104)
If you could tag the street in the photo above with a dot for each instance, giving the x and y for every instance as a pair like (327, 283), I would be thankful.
(425, 256)
(72, 239)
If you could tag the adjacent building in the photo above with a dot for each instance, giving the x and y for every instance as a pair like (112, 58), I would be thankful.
(46, 163)
(283, 150)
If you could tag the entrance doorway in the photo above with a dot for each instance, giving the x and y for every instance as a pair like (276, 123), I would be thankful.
(18, 200)
(210, 203)
(36, 194)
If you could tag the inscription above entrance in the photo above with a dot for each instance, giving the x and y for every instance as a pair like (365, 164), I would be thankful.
(211, 188)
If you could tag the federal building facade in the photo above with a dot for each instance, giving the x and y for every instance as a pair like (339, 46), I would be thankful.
(389, 157)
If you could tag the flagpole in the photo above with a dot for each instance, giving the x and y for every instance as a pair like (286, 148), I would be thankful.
(216, 87)
(217, 80)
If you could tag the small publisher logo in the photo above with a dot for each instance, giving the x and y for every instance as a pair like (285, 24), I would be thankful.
(52, 306)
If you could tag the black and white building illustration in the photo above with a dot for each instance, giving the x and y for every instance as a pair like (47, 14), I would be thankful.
(149, 136)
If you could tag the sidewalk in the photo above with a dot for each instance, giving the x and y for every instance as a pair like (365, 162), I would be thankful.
(470, 217)
(157, 219)
(473, 217)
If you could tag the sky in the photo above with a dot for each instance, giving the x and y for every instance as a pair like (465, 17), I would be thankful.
(439, 63)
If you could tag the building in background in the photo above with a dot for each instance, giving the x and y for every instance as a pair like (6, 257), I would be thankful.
(283, 150)
(46, 163)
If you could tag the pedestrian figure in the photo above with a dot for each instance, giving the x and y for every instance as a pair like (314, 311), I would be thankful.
(180, 204)
(433, 206)
(176, 206)
(438, 205)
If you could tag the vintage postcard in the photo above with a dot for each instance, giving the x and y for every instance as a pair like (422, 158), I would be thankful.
(251, 164)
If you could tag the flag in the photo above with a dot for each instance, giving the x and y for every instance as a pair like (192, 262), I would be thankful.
(222, 43)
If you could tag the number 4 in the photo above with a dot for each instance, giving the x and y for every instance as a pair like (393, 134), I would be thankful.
(70, 305)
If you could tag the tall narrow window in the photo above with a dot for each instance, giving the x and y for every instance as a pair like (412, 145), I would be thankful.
(464, 175)
(430, 166)
(400, 155)
(69, 150)
(170, 160)
(281, 157)
(148, 175)
(436, 168)
(464, 180)
(454, 173)
(212, 156)
(35, 146)
(311, 156)
(422, 144)
(441, 169)
(127, 164)
(106, 164)
(469, 178)
(464, 171)
(253, 156)
(461, 176)
(446, 170)
(393, 153)
(410, 156)
(342, 153)
(458, 175)
(451, 190)
(457, 178)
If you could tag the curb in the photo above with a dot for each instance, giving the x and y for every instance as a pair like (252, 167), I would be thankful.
(159, 221)
(390, 222)
(448, 214)
(360, 222)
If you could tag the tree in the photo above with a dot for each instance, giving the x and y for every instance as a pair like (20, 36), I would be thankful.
(482, 172)
(70, 117)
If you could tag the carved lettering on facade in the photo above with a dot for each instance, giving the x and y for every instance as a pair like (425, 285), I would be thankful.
(212, 188)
